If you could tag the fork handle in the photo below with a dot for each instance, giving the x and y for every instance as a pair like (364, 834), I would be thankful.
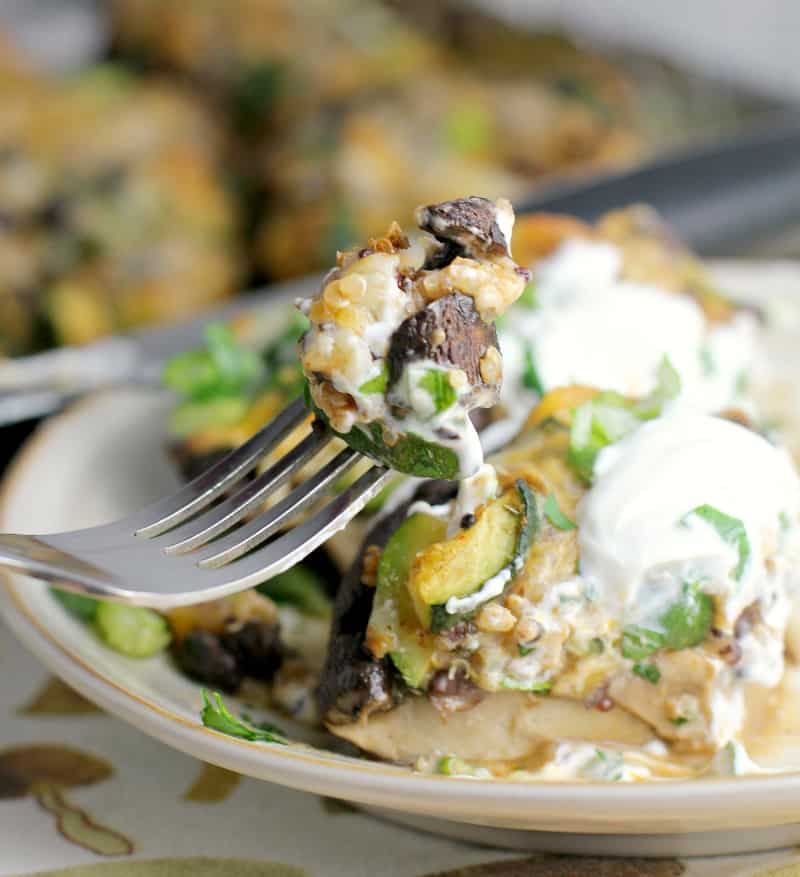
(34, 557)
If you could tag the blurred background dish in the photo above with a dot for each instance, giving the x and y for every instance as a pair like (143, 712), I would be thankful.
(159, 155)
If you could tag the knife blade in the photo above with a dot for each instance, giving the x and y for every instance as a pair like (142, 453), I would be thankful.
(714, 194)
(36, 385)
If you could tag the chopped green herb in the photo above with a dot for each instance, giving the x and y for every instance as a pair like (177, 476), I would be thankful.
(224, 367)
(377, 384)
(648, 671)
(595, 425)
(217, 716)
(609, 417)
(453, 766)
(437, 383)
(686, 623)
(667, 388)
(524, 650)
(528, 297)
(530, 376)
(281, 362)
(679, 720)
(132, 630)
(552, 511)
(730, 530)
(639, 642)
(707, 361)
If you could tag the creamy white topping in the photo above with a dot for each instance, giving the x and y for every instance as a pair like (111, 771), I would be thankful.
(634, 533)
(492, 587)
(591, 327)
(473, 492)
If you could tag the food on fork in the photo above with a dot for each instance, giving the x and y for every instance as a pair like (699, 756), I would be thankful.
(401, 345)
(619, 609)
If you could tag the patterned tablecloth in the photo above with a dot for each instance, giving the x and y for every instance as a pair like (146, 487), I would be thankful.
(85, 795)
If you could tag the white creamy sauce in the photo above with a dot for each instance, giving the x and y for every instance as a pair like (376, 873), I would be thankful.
(504, 217)
(591, 327)
(491, 588)
(734, 760)
(420, 507)
(473, 492)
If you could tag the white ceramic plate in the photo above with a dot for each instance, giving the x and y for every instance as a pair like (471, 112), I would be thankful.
(104, 457)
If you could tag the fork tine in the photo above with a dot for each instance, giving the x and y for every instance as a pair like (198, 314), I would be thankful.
(261, 528)
(299, 542)
(196, 495)
(222, 517)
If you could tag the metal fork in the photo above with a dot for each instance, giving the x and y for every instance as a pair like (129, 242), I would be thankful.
(188, 548)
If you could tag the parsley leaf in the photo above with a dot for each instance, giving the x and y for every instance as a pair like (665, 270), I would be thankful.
(667, 388)
(639, 642)
(218, 717)
(281, 361)
(530, 376)
(438, 385)
(224, 367)
(596, 424)
(377, 384)
(730, 530)
(552, 511)
(609, 417)
(687, 622)
(649, 672)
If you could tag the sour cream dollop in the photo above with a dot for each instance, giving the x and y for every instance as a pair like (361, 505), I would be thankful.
(640, 540)
(590, 326)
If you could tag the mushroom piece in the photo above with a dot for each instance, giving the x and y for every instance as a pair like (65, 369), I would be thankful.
(470, 226)
(450, 333)
(44, 771)
(401, 347)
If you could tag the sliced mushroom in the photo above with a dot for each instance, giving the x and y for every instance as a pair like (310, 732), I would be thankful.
(450, 333)
(470, 226)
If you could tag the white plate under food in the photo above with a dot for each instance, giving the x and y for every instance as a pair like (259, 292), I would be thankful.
(105, 457)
